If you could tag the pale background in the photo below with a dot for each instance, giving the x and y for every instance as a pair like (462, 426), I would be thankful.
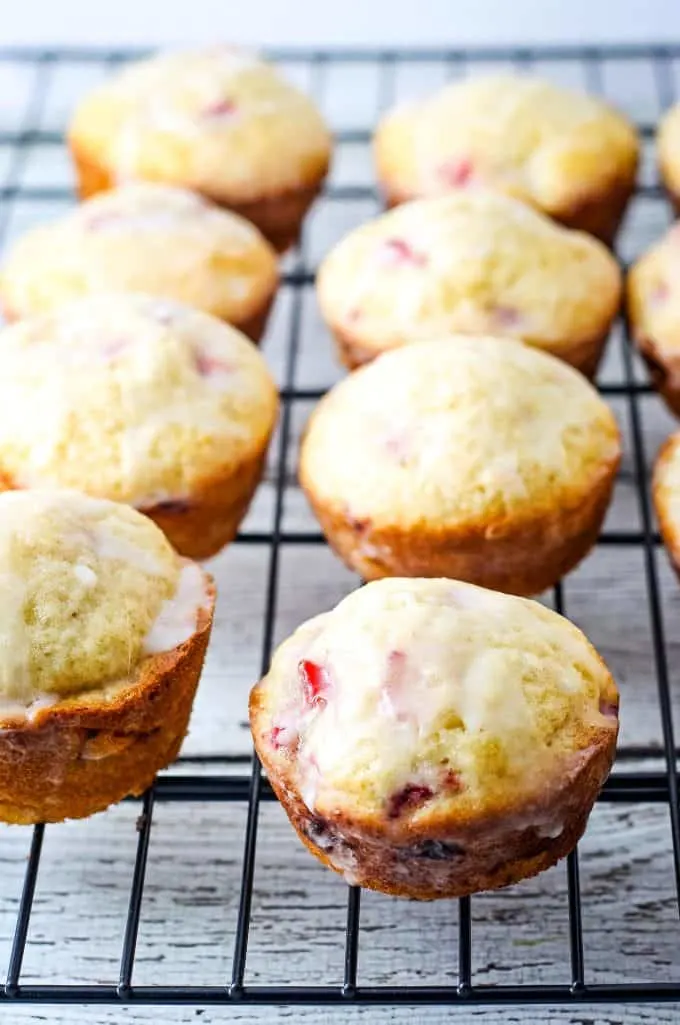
(310, 22)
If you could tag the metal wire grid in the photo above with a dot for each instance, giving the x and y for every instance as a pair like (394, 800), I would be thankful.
(634, 786)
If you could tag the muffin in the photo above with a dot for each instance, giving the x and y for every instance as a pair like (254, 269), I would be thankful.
(478, 459)
(146, 238)
(668, 147)
(138, 400)
(475, 263)
(568, 154)
(666, 493)
(104, 633)
(653, 293)
(219, 121)
(428, 738)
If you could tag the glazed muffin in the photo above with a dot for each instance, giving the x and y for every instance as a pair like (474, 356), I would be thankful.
(428, 738)
(668, 148)
(566, 153)
(653, 294)
(104, 632)
(478, 459)
(218, 121)
(138, 400)
(666, 493)
(146, 238)
(475, 263)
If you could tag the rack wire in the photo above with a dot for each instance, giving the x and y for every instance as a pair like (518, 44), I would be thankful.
(635, 786)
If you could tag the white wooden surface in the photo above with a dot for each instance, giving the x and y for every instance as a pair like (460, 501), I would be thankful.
(188, 921)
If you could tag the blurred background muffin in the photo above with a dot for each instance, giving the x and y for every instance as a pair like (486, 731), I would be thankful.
(219, 121)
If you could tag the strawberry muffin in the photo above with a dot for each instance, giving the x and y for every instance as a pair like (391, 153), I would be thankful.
(146, 238)
(474, 263)
(568, 154)
(653, 289)
(104, 631)
(666, 493)
(143, 401)
(219, 121)
(478, 459)
(668, 148)
(428, 738)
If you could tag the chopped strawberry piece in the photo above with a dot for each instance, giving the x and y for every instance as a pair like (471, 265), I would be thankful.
(452, 781)
(410, 796)
(173, 505)
(397, 252)
(457, 173)
(506, 316)
(610, 709)
(102, 220)
(208, 365)
(315, 683)
(394, 700)
(659, 294)
(220, 108)
(281, 737)
(113, 348)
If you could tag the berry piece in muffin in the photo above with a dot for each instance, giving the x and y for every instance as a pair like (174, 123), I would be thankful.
(146, 238)
(666, 493)
(461, 744)
(218, 121)
(470, 262)
(139, 400)
(653, 296)
(104, 630)
(479, 459)
(568, 154)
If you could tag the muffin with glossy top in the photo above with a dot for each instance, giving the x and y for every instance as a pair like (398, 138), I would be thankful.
(104, 630)
(566, 153)
(219, 121)
(146, 238)
(653, 289)
(428, 738)
(143, 401)
(474, 263)
(479, 459)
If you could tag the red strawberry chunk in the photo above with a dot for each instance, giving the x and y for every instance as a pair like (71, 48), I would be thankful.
(457, 173)
(506, 316)
(282, 737)
(220, 108)
(659, 294)
(610, 709)
(409, 797)
(207, 365)
(315, 682)
(397, 252)
(113, 348)
(452, 781)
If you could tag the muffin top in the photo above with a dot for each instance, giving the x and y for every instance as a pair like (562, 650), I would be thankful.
(143, 238)
(464, 432)
(668, 147)
(477, 263)
(129, 397)
(544, 144)
(654, 292)
(220, 120)
(418, 697)
(667, 489)
(88, 588)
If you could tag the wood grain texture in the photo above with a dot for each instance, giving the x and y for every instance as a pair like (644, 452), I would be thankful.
(189, 912)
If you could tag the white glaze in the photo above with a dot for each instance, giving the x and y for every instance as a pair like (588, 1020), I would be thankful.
(178, 616)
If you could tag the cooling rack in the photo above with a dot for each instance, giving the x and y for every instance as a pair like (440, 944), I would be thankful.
(638, 785)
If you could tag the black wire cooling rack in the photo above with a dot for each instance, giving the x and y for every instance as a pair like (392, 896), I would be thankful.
(631, 787)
